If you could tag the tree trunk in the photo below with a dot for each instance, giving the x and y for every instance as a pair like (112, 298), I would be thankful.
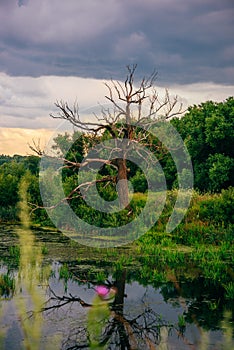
(120, 285)
(122, 183)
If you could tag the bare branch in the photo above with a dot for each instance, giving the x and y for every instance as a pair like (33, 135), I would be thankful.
(75, 190)
(36, 147)
(72, 115)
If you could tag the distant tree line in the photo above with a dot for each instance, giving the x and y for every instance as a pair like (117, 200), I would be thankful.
(12, 170)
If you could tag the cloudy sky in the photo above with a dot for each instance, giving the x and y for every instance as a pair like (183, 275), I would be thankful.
(54, 49)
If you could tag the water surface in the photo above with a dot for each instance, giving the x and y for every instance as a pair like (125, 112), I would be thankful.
(49, 299)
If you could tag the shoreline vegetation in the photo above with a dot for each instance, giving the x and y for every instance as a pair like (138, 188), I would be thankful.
(203, 241)
(208, 216)
(205, 235)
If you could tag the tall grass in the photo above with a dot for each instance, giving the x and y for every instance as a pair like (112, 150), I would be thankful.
(29, 275)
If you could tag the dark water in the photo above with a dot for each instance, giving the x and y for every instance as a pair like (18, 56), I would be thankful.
(49, 300)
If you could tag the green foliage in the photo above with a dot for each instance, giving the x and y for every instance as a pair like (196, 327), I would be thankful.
(101, 276)
(5, 159)
(181, 321)
(229, 288)
(44, 249)
(139, 182)
(8, 214)
(218, 209)
(12, 169)
(9, 189)
(221, 170)
(64, 272)
(32, 164)
(7, 285)
(14, 252)
(208, 132)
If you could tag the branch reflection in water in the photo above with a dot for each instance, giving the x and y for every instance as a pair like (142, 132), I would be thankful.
(108, 327)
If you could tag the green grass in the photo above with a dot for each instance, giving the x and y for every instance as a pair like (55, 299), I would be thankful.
(64, 272)
(181, 321)
(44, 249)
(229, 291)
(14, 255)
(7, 285)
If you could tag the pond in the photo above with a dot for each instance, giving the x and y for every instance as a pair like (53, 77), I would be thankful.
(57, 294)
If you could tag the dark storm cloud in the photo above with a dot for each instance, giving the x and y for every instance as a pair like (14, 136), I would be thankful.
(186, 41)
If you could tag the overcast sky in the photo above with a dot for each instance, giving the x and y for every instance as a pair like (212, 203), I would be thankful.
(48, 48)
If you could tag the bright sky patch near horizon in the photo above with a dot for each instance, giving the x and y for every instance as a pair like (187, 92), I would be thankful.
(52, 50)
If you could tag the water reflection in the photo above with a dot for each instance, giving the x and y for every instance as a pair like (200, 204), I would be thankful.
(120, 311)
(109, 326)
(136, 317)
(121, 331)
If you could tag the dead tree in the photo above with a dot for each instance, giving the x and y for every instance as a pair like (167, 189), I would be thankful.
(133, 107)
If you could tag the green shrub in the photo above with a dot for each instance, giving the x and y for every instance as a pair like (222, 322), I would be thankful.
(229, 288)
(219, 208)
(139, 182)
(8, 214)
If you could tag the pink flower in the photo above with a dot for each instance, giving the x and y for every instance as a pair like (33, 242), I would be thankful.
(102, 291)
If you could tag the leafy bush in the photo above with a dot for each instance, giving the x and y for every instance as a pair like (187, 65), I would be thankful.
(218, 209)
(139, 182)
(8, 214)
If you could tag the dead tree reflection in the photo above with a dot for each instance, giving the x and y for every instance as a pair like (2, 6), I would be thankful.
(119, 331)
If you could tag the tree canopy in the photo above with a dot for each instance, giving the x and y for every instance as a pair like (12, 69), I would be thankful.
(207, 130)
